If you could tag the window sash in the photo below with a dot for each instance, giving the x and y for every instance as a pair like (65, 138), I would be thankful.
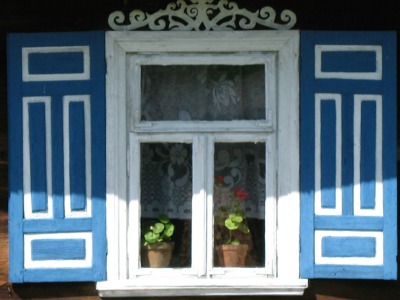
(202, 248)
(134, 93)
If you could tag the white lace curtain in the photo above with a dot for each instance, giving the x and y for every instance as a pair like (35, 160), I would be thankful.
(204, 93)
(201, 93)
(166, 177)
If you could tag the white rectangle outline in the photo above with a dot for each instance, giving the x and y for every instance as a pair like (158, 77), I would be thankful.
(29, 263)
(69, 213)
(318, 209)
(27, 76)
(377, 75)
(28, 213)
(362, 261)
(378, 210)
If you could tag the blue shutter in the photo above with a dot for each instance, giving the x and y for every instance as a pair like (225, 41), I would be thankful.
(56, 106)
(348, 155)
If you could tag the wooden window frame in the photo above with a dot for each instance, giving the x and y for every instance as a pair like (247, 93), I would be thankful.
(283, 276)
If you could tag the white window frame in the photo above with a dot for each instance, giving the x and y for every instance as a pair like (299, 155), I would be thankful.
(285, 45)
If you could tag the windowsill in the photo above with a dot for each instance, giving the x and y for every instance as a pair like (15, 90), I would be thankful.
(201, 287)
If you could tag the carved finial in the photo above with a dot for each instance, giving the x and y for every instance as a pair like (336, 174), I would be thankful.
(202, 15)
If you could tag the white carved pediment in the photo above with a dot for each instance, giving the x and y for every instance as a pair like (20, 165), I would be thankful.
(202, 15)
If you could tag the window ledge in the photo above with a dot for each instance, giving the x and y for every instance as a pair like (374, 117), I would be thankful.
(201, 287)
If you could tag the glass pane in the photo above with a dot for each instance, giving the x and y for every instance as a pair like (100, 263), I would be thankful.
(200, 92)
(239, 204)
(166, 198)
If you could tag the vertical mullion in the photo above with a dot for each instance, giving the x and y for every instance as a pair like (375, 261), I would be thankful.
(199, 214)
(210, 188)
(270, 206)
(133, 230)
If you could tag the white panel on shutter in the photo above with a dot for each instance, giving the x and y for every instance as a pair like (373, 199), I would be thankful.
(348, 155)
(56, 107)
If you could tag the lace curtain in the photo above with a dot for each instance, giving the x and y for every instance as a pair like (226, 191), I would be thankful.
(201, 93)
(166, 177)
(206, 93)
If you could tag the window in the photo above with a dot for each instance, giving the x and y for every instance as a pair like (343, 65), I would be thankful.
(191, 120)
(202, 119)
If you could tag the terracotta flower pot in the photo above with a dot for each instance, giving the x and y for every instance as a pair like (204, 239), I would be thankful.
(157, 255)
(232, 255)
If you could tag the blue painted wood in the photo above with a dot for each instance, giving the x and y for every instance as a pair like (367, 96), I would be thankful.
(349, 272)
(57, 156)
(62, 249)
(95, 87)
(346, 222)
(347, 88)
(328, 153)
(37, 153)
(56, 63)
(348, 61)
(57, 225)
(77, 146)
(348, 247)
(368, 154)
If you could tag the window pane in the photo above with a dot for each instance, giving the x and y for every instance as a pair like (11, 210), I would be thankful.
(239, 203)
(200, 92)
(166, 191)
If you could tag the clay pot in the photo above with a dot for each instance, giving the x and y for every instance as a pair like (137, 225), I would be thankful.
(232, 255)
(157, 255)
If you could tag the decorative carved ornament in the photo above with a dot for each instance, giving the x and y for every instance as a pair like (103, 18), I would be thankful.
(202, 15)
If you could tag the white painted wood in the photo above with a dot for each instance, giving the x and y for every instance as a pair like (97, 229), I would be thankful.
(281, 133)
(134, 106)
(27, 76)
(204, 287)
(203, 15)
(69, 213)
(319, 49)
(378, 209)
(318, 209)
(116, 198)
(29, 263)
(288, 182)
(28, 213)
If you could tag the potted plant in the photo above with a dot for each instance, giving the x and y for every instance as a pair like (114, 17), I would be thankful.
(157, 243)
(230, 218)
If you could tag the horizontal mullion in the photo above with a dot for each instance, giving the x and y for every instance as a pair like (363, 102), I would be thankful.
(348, 223)
(204, 126)
(57, 225)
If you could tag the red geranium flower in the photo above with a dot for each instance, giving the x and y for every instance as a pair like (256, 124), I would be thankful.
(219, 179)
(240, 194)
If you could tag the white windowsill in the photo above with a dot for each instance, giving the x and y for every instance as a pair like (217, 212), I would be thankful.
(201, 287)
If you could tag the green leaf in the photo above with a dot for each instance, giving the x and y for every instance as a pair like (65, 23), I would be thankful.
(243, 228)
(169, 230)
(235, 242)
(164, 219)
(236, 218)
(151, 237)
(231, 225)
(158, 227)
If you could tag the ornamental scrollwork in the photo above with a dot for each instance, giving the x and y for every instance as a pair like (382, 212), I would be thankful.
(202, 15)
